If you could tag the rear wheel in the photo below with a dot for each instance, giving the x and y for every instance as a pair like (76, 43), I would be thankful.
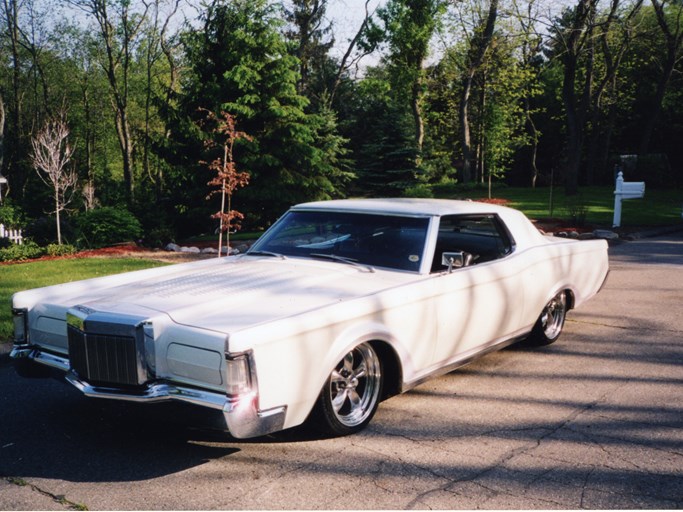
(549, 325)
(351, 393)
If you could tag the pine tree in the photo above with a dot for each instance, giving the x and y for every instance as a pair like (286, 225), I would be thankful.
(240, 64)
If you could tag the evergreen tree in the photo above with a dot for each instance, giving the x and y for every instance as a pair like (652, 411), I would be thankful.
(240, 64)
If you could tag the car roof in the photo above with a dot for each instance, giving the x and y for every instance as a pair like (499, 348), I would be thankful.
(406, 206)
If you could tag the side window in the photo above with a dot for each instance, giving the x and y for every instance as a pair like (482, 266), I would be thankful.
(483, 236)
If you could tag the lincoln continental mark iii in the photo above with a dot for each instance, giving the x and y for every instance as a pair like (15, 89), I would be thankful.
(338, 306)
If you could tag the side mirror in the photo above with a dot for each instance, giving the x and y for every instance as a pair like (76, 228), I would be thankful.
(457, 259)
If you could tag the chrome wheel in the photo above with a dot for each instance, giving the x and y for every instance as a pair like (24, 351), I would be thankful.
(352, 392)
(552, 318)
(549, 325)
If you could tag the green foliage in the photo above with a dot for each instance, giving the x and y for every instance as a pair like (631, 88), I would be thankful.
(26, 251)
(106, 226)
(276, 74)
(420, 190)
(382, 138)
(241, 64)
(408, 27)
(159, 237)
(60, 250)
(11, 216)
(43, 230)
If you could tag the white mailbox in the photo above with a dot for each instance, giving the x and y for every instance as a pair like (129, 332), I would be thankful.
(625, 190)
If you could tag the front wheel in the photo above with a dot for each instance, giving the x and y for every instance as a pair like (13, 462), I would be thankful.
(549, 325)
(351, 394)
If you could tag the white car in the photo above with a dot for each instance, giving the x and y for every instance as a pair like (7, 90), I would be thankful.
(339, 305)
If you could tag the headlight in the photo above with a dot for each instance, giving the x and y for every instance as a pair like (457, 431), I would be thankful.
(238, 379)
(20, 318)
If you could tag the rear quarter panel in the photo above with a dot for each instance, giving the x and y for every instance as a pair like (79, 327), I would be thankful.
(578, 266)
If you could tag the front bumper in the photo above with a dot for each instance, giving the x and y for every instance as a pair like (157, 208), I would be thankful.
(242, 415)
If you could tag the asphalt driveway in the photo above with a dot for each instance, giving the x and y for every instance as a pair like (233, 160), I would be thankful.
(593, 421)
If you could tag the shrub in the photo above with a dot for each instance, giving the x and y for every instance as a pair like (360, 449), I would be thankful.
(26, 251)
(11, 216)
(43, 230)
(60, 250)
(107, 226)
(422, 190)
(159, 237)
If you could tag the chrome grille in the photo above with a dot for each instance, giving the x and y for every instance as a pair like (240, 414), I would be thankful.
(101, 358)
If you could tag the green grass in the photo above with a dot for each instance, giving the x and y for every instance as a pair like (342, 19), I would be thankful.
(23, 276)
(658, 208)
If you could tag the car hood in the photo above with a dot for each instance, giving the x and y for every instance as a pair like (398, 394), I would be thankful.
(233, 294)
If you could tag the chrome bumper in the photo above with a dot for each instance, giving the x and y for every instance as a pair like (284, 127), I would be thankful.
(242, 416)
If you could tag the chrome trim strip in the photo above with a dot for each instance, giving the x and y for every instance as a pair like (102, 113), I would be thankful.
(154, 392)
(467, 358)
(241, 414)
(44, 358)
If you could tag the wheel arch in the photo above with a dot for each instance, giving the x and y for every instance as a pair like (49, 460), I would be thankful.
(391, 368)
(571, 297)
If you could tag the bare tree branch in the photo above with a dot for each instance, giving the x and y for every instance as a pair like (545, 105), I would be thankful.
(51, 154)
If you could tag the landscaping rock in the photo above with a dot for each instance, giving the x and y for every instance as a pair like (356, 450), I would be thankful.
(172, 247)
(209, 250)
(194, 250)
(605, 234)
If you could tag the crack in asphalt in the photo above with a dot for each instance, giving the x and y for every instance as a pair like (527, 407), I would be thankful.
(510, 455)
(57, 498)
(623, 327)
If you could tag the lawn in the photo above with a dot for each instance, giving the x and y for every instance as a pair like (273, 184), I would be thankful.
(14, 278)
(659, 207)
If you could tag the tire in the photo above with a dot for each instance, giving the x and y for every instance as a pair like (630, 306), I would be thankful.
(549, 325)
(351, 393)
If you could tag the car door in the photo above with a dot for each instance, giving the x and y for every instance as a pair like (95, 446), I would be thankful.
(481, 303)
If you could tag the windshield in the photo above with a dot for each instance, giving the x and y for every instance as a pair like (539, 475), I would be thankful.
(376, 240)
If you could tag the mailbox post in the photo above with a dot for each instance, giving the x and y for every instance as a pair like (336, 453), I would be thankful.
(625, 190)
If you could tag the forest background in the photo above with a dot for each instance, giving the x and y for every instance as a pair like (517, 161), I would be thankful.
(420, 97)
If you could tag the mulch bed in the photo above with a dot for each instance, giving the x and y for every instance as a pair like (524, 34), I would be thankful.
(120, 251)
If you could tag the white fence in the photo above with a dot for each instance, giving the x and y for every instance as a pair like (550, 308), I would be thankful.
(13, 234)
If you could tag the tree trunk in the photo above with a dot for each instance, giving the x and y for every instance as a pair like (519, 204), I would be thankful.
(2, 136)
(674, 42)
(57, 208)
(465, 142)
(581, 25)
(475, 60)
(418, 121)
(656, 105)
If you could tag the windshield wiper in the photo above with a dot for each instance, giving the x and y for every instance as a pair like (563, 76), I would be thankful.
(265, 253)
(342, 259)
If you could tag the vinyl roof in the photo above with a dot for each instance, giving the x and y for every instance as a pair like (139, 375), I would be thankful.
(408, 206)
